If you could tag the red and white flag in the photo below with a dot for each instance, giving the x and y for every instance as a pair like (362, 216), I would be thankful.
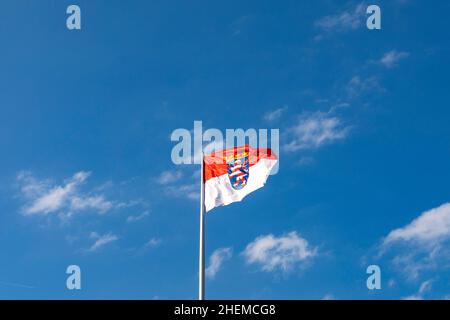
(229, 175)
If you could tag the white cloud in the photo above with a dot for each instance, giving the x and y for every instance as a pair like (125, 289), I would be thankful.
(430, 228)
(30, 186)
(137, 217)
(153, 242)
(329, 296)
(168, 177)
(350, 19)
(131, 203)
(217, 258)
(421, 245)
(49, 202)
(315, 130)
(358, 86)
(44, 197)
(274, 115)
(284, 252)
(189, 191)
(391, 58)
(413, 297)
(177, 184)
(96, 202)
(425, 286)
(101, 240)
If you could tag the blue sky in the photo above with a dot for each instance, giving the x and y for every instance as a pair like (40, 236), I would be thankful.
(86, 176)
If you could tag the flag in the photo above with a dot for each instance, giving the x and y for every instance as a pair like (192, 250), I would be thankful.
(229, 175)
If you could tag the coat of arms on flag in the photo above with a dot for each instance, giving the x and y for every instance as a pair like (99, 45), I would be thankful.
(238, 170)
(230, 175)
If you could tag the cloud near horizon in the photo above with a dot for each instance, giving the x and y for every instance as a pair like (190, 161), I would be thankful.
(424, 288)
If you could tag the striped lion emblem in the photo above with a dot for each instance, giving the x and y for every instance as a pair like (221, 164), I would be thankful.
(238, 171)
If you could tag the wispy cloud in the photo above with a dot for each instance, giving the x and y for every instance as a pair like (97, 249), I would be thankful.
(101, 240)
(44, 197)
(274, 115)
(135, 218)
(350, 19)
(358, 85)
(279, 253)
(96, 202)
(217, 258)
(424, 288)
(313, 130)
(17, 285)
(153, 242)
(177, 184)
(190, 191)
(168, 177)
(238, 24)
(390, 59)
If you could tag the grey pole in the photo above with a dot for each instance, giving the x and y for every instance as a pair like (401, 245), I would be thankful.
(201, 266)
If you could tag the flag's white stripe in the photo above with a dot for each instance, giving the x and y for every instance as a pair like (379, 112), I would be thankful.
(219, 192)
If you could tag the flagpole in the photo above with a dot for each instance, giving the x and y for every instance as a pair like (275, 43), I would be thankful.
(201, 266)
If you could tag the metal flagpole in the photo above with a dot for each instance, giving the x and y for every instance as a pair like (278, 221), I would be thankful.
(201, 266)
